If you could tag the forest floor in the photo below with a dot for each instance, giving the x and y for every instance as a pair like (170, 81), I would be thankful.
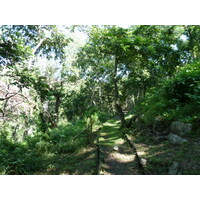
(117, 157)
(84, 161)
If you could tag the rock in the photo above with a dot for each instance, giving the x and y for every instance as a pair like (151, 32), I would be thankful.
(173, 170)
(180, 128)
(141, 153)
(116, 148)
(143, 161)
(175, 139)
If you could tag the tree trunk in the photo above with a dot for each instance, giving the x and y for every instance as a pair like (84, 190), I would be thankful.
(43, 122)
(117, 101)
(89, 133)
(57, 107)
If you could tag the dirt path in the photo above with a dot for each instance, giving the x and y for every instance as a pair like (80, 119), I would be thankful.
(117, 157)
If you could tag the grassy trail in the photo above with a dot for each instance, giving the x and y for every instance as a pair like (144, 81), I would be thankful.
(116, 154)
(84, 161)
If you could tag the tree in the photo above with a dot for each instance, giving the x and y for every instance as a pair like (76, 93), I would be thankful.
(136, 57)
(20, 48)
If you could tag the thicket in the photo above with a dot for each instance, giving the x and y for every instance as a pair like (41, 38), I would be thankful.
(32, 154)
(176, 98)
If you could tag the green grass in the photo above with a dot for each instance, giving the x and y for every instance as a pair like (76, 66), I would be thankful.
(52, 153)
(80, 162)
(110, 133)
(161, 155)
(57, 153)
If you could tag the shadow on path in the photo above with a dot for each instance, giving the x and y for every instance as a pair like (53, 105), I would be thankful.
(116, 162)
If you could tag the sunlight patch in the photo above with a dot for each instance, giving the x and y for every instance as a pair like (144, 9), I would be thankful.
(122, 158)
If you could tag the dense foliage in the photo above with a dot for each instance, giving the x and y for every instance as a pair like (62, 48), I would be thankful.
(176, 98)
(53, 85)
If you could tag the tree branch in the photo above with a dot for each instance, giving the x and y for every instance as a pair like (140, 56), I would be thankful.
(6, 98)
(38, 45)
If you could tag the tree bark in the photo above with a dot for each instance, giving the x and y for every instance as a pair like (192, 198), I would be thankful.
(57, 108)
(43, 122)
(117, 100)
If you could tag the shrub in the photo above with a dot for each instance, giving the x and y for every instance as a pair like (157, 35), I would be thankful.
(32, 155)
(184, 87)
(17, 158)
(177, 98)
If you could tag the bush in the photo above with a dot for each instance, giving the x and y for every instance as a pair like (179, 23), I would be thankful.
(32, 155)
(16, 158)
(184, 87)
(175, 99)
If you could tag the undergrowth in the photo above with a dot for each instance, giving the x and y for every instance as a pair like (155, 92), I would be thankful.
(35, 153)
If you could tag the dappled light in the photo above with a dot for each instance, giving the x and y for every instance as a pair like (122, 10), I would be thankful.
(99, 100)
(122, 158)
